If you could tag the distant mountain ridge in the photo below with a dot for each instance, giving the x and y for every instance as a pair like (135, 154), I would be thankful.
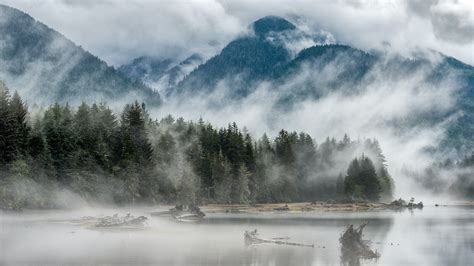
(259, 58)
(161, 74)
(45, 67)
(318, 70)
(245, 60)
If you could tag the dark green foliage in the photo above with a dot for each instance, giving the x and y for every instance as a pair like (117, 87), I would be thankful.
(244, 61)
(138, 160)
(135, 145)
(60, 136)
(14, 130)
(7, 129)
(361, 181)
(19, 112)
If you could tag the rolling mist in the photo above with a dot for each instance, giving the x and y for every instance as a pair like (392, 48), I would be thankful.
(217, 132)
(386, 105)
(405, 109)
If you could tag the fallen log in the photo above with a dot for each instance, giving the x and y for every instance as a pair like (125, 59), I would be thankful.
(283, 208)
(181, 211)
(116, 221)
(251, 238)
(190, 213)
(189, 217)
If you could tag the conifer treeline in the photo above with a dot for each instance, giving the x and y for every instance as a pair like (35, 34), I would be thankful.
(135, 159)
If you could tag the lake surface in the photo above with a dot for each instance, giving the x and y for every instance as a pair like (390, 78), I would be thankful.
(432, 236)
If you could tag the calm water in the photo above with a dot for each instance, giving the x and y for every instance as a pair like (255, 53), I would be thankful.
(432, 236)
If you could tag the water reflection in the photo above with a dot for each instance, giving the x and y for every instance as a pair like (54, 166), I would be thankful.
(441, 236)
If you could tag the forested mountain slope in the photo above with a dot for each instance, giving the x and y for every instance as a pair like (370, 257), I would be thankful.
(44, 66)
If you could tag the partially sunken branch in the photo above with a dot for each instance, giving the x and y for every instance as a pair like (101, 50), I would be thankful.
(251, 238)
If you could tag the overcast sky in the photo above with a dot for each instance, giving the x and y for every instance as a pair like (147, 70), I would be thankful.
(119, 30)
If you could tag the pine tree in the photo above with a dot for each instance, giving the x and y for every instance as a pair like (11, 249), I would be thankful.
(369, 179)
(362, 181)
(18, 112)
(8, 150)
(136, 146)
(106, 129)
(283, 148)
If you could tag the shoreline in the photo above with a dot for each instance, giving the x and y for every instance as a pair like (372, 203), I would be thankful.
(322, 206)
(294, 207)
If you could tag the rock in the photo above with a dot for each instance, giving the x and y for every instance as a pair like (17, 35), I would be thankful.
(400, 203)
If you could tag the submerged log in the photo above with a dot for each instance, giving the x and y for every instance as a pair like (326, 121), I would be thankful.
(251, 238)
(353, 247)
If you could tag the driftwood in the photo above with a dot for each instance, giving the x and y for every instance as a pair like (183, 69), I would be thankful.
(127, 220)
(183, 213)
(283, 208)
(190, 213)
(354, 248)
(251, 238)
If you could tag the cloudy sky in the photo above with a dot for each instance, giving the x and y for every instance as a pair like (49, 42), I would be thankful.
(119, 30)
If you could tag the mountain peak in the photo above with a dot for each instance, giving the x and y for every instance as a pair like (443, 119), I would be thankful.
(271, 23)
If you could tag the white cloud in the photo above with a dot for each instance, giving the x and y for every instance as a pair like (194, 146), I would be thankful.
(118, 31)
(373, 111)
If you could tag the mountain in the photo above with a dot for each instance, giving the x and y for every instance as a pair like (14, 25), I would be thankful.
(45, 67)
(295, 65)
(243, 61)
(264, 55)
(160, 74)
(270, 24)
(146, 68)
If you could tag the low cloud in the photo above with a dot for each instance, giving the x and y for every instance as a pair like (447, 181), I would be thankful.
(380, 107)
(119, 31)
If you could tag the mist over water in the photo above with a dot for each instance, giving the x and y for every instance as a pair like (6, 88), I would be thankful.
(354, 97)
(386, 97)
(432, 236)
